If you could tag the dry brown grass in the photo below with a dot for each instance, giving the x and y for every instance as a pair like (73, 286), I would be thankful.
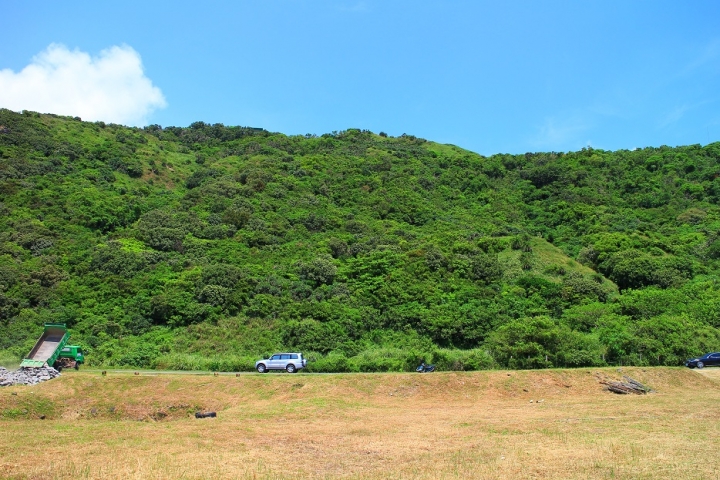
(440, 425)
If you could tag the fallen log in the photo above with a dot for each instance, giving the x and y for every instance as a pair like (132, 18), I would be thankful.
(637, 385)
(626, 387)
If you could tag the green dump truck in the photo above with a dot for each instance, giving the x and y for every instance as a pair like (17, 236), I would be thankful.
(52, 350)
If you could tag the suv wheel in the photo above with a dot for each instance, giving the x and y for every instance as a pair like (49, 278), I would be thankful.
(261, 368)
(291, 368)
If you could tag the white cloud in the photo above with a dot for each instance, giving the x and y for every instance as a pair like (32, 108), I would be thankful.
(110, 87)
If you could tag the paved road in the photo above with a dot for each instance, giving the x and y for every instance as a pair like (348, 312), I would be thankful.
(709, 372)
(163, 372)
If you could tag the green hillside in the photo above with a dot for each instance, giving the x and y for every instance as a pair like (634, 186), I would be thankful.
(207, 246)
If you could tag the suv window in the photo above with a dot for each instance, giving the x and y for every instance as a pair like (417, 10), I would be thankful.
(275, 357)
(285, 357)
(294, 356)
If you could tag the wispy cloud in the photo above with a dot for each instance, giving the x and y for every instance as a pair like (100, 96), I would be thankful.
(708, 55)
(559, 133)
(674, 115)
(677, 113)
(357, 7)
(111, 87)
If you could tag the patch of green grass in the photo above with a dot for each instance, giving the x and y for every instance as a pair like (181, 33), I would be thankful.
(24, 406)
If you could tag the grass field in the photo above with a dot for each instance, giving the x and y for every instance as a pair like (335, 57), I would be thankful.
(497, 424)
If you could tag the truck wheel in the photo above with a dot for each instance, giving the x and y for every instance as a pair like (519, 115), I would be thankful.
(76, 366)
(261, 368)
(291, 368)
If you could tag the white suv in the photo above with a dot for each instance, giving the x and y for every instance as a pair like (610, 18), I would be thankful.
(290, 362)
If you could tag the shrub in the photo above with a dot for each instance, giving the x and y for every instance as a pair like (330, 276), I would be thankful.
(332, 363)
(320, 271)
(462, 360)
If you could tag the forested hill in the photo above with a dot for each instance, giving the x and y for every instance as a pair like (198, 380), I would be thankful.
(207, 246)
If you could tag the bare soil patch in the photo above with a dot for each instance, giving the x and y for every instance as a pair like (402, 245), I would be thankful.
(529, 424)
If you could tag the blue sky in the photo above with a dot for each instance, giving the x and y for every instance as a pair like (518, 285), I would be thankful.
(489, 76)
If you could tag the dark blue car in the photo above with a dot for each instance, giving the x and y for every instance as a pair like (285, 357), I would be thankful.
(707, 360)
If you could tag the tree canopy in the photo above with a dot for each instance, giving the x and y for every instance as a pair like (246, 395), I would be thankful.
(207, 246)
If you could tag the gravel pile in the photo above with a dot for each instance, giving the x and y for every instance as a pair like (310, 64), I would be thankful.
(26, 376)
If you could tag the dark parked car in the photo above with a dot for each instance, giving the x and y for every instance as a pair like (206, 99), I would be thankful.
(707, 360)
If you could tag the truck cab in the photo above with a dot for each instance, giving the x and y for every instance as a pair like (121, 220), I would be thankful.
(70, 356)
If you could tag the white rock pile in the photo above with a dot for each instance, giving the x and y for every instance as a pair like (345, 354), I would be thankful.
(26, 376)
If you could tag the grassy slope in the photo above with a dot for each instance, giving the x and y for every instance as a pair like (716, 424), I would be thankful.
(547, 424)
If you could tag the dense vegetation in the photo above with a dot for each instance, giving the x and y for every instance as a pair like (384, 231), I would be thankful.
(205, 247)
